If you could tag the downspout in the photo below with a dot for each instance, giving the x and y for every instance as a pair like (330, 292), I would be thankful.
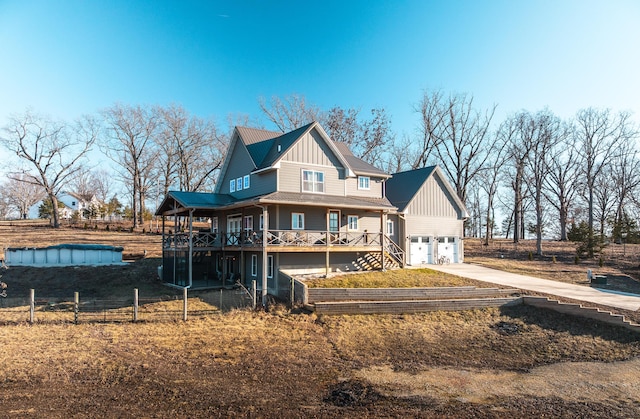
(382, 237)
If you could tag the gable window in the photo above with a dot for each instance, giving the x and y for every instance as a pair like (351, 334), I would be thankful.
(297, 221)
(390, 227)
(352, 222)
(254, 265)
(232, 185)
(312, 181)
(363, 182)
(239, 184)
(248, 222)
(247, 182)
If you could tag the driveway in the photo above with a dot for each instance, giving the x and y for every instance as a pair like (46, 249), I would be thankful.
(530, 283)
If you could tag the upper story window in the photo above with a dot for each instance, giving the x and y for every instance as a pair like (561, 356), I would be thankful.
(363, 182)
(232, 185)
(247, 182)
(239, 184)
(248, 222)
(312, 181)
(390, 227)
(214, 225)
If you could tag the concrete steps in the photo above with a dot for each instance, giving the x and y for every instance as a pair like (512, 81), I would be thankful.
(581, 311)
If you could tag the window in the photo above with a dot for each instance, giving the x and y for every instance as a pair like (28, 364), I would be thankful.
(261, 222)
(232, 185)
(390, 227)
(270, 266)
(254, 265)
(239, 184)
(248, 222)
(312, 181)
(214, 225)
(247, 182)
(352, 221)
(363, 182)
(297, 221)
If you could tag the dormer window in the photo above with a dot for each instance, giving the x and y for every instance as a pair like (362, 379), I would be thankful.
(232, 185)
(312, 181)
(279, 148)
(363, 182)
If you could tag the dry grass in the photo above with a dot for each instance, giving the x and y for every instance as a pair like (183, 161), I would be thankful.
(395, 279)
(482, 363)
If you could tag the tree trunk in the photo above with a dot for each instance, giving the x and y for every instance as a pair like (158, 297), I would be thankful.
(55, 215)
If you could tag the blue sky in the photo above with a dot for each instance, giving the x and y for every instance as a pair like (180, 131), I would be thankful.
(66, 58)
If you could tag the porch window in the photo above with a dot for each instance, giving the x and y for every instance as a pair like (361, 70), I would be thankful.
(363, 182)
(270, 266)
(239, 184)
(247, 182)
(297, 221)
(312, 181)
(261, 222)
(390, 227)
(214, 225)
(254, 265)
(352, 222)
(248, 222)
(232, 185)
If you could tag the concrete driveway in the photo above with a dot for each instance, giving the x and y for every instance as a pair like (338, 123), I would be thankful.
(530, 283)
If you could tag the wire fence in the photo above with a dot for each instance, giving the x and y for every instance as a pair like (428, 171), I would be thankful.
(76, 310)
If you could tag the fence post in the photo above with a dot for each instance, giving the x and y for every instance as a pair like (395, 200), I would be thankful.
(254, 296)
(32, 305)
(76, 306)
(135, 304)
(184, 305)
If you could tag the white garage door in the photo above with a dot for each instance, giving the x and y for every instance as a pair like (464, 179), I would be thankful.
(448, 247)
(421, 252)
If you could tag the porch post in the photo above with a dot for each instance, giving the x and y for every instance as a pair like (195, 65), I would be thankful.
(190, 248)
(265, 230)
(327, 239)
(382, 238)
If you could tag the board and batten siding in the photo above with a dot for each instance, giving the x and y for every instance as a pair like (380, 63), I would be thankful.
(312, 149)
(290, 178)
(239, 165)
(434, 200)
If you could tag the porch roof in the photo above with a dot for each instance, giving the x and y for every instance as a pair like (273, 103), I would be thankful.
(203, 204)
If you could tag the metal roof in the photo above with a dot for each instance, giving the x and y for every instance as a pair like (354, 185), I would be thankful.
(403, 186)
(358, 165)
(377, 204)
(194, 200)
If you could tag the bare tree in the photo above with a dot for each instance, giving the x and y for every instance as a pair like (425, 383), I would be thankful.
(129, 142)
(290, 112)
(192, 149)
(21, 194)
(546, 132)
(489, 182)
(460, 134)
(598, 135)
(563, 182)
(52, 149)
(432, 110)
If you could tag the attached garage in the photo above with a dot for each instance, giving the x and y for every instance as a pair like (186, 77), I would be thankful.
(421, 250)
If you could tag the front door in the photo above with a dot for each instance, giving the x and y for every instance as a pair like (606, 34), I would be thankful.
(334, 221)
(234, 227)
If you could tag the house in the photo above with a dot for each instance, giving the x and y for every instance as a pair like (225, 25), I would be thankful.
(286, 204)
(430, 216)
(82, 204)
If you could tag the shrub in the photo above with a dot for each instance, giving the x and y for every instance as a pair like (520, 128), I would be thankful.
(576, 259)
(530, 255)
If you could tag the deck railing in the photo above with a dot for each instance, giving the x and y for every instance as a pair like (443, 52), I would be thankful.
(307, 238)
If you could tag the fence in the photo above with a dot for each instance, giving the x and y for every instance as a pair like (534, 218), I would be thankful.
(38, 309)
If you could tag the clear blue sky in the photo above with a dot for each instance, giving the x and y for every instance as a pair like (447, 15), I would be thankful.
(66, 58)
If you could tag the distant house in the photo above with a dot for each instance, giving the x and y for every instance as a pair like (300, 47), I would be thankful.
(74, 203)
(300, 202)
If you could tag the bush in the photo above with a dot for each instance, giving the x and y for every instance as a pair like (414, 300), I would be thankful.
(530, 255)
(576, 259)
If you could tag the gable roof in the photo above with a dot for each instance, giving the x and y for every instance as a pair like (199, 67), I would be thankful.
(359, 166)
(403, 187)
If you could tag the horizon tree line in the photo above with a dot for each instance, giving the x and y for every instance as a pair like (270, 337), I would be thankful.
(545, 174)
